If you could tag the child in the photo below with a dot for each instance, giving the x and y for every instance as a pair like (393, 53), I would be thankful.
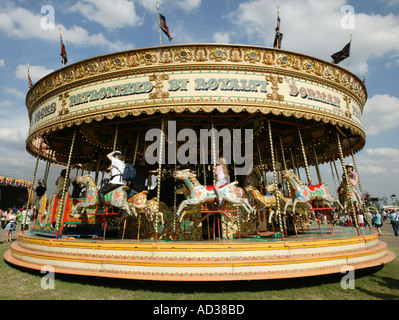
(221, 174)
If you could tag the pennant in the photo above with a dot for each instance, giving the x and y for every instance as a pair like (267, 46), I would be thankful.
(279, 36)
(29, 79)
(63, 51)
(164, 27)
(341, 55)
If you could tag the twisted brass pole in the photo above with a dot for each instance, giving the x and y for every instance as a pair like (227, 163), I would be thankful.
(275, 179)
(349, 184)
(159, 178)
(60, 212)
(31, 189)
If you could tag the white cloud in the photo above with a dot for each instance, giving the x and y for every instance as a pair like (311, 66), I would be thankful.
(2, 63)
(19, 23)
(111, 14)
(14, 92)
(381, 113)
(221, 37)
(5, 104)
(314, 27)
(36, 72)
(188, 5)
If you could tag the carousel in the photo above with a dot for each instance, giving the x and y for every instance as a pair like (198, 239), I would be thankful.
(273, 116)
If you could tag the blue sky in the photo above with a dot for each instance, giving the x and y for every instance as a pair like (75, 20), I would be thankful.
(94, 27)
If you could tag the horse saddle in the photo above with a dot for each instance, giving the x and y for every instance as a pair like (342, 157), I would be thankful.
(211, 188)
(315, 186)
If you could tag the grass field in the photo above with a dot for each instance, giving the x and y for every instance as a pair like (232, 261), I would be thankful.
(380, 283)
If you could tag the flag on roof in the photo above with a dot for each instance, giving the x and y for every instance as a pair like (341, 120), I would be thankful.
(279, 36)
(63, 52)
(164, 27)
(341, 55)
(29, 79)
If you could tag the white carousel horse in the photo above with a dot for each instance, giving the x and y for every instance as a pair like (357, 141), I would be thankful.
(287, 202)
(116, 198)
(199, 194)
(306, 194)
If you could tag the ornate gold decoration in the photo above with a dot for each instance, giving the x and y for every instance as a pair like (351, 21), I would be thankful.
(276, 64)
(165, 56)
(159, 78)
(63, 98)
(148, 57)
(275, 80)
(200, 54)
(235, 55)
(183, 55)
(218, 54)
(348, 100)
(252, 56)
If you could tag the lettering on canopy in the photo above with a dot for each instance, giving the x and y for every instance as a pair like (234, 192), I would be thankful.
(111, 92)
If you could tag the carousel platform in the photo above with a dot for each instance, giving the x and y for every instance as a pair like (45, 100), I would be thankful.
(318, 251)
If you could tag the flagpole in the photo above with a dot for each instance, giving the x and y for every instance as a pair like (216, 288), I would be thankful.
(159, 25)
(349, 58)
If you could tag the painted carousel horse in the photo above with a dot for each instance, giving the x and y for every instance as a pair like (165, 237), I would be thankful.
(307, 194)
(199, 194)
(116, 198)
(287, 202)
(260, 201)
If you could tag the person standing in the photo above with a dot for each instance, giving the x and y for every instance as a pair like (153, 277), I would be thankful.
(26, 216)
(118, 166)
(60, 183)
(378, 221)
(11, 224)
(395, 222)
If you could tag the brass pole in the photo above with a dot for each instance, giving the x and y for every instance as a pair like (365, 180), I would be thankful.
(275, 180)
(349, 184)
(60, 213)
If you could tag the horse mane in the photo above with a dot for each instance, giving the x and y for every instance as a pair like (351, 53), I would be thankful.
(90, 182)
(193, 180)
(296, 178)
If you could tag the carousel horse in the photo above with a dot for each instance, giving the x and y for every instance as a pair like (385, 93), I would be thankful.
(116, 198)
(152, 211)
(199, 194)
(286, 202)
(260, 201)
(307, 194)
(138, 203)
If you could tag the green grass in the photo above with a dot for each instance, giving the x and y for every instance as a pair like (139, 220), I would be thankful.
(380, 283)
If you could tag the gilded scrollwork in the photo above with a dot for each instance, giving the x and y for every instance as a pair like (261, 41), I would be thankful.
(218, 54)
(275, 80)
(200, 54)
(165, 56)
(269, 57)
(252, 58)
(159, 93)
(235, 55)
(183, 55)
